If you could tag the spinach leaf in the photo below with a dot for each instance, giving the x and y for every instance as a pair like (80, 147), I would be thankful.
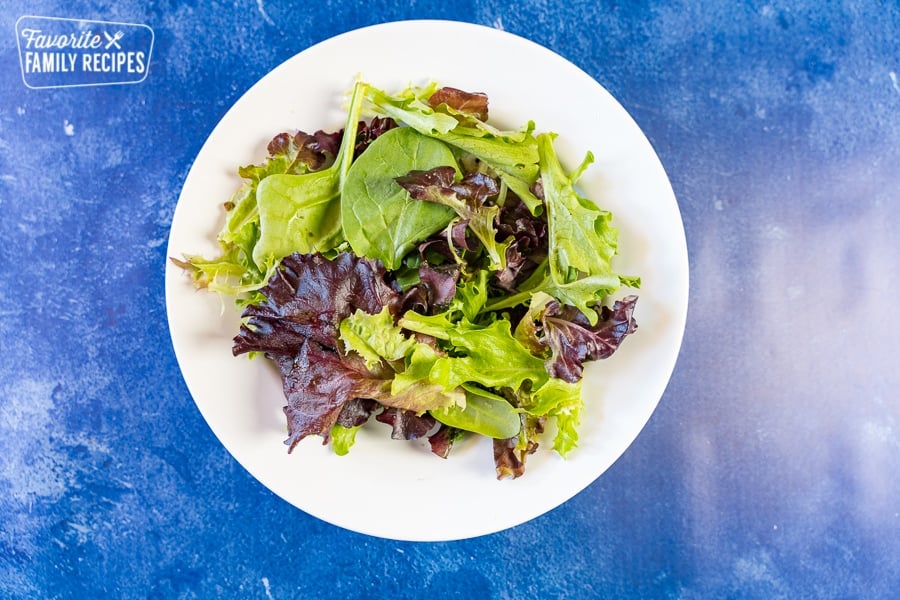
(297, 213)
(379, 218)
(300, 213)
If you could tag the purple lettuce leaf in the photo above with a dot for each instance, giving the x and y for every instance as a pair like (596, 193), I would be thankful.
(572, 340)
(442, 440)
(434, 291)
(510, 454)
(367, 132)
(307, 298)
(471, 103)
(473, 200)
(297, 326)
(356, 412)
(528, 246)
(318, 384)
(406, 424)
(475, 188)
(324, 387)
(302, 152)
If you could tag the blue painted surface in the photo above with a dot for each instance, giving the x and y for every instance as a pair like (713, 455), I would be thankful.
(771, 468)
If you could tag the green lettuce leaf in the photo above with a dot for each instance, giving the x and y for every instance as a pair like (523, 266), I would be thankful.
(582, 242)
(582, 239)
(562, 402)
(342, 438)
(568, 419)
(385, 349)
(485, 354)
(375, 337)
(551, 397)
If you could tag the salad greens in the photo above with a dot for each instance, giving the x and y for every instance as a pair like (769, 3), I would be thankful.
(423, 268)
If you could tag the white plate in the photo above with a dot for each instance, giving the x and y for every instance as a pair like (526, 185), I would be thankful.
(389, 488)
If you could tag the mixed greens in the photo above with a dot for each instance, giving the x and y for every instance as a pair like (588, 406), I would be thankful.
(423, 268)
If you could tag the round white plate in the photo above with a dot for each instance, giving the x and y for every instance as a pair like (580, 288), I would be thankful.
(395, 489)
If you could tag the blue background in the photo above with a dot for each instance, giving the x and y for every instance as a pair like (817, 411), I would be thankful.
(771, 468)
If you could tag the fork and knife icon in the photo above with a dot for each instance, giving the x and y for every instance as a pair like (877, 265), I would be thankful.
(113, 40)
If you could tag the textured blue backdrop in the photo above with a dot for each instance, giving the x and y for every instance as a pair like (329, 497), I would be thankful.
(771, 468)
